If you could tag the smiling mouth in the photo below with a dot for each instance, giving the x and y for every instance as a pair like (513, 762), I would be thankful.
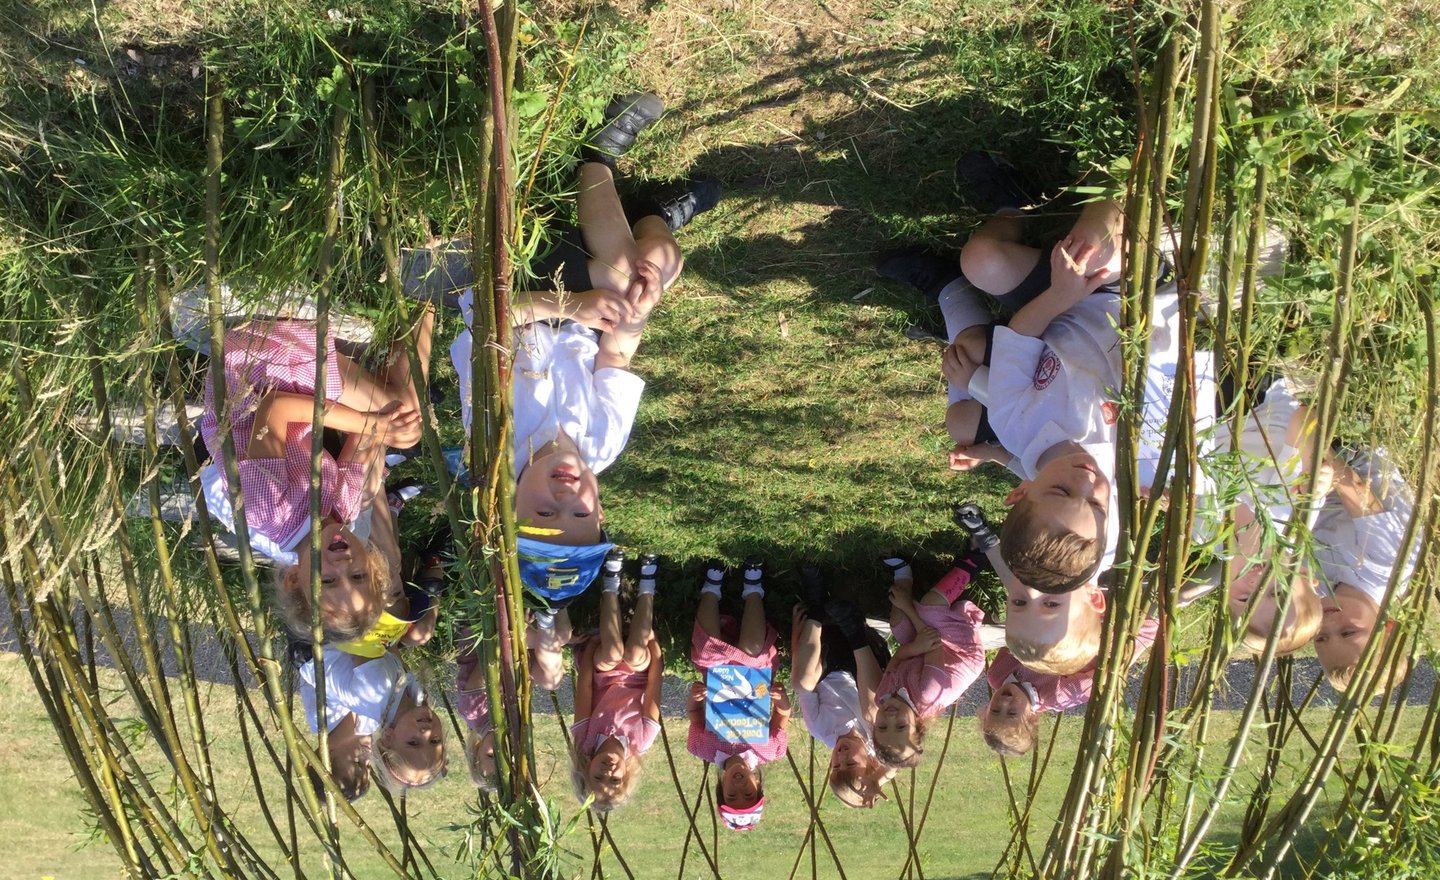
(565, 474)
(337, 544)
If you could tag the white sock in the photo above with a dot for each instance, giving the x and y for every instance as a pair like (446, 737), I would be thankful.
(646, 586)
(713, 576)
(753, 590)
(610, 576)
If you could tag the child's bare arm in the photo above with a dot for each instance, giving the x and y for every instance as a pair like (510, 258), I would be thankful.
(618, 346)
(654, 675)
(1069, 284)
(695, 705)
(599, 309)
(584, 680)
(278, 410)
(779, 709)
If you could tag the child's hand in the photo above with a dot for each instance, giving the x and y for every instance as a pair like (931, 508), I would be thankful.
(964, 458)
(697, 692)
(599, 309)
(927, 639)
(1068, 265)
(902, 593)
(644, 291)
(395, 426)
(421, 630)
(956, 366)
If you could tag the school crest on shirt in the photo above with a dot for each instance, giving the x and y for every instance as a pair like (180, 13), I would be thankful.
(1047, 369)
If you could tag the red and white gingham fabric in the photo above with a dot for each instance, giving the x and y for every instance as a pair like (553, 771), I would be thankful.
(261, 357)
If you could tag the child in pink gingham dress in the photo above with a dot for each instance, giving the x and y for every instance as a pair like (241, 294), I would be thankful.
(940, 656)
(1010, 722)
(280, 356)
(473, 703)
(719, 640)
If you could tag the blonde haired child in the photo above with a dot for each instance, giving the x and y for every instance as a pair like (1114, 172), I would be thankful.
(719, 640)
(1019, 695)
(269, 373)
(835, 665)
(408, 753)
(1275, 447)
(575, 336)
(940, 656)
(356, 691)
(1357, 544)
(473, 703)
(617, 694)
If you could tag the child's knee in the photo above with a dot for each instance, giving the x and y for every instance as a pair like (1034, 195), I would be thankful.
(980, 257)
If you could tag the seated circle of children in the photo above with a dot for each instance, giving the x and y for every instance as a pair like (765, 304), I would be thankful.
(1358, 536)
(576, 332)
(737, 711)
(617, 694)
(379, 719)
(269, 374)
(940, 656)
(836, 660)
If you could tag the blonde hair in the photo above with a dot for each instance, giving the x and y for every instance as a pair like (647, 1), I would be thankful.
(890, 755)
(842, 785)
(486, 782)
(1010, 737)
(579, 780)
(381, 763)
(1296, 634)
(1045, 559)
(1340, 678)
(1074, 651)
(293, 604)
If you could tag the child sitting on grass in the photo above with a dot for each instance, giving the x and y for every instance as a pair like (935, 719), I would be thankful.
(940, 656)
(472, 701)
(1010, 721)
(356, 691)
(269, 373)
(835, 665)
(617, 694)
(1357, 542)
(575, 397)
(719, 640)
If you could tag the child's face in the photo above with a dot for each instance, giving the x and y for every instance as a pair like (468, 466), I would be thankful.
(895, 726)
(559, 491)
(1009, 705)
(1044, 618)
(416, 738)
(739, 785)
(1071, 495)
(1243, 586)
(345, 587)
(1345, 627)
(605, 776)
(851, 762)
(482, 755)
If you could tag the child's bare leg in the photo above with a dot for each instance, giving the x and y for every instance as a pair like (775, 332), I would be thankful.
(708, 615)
(612, 641)
(359, 390)
(994, 260)
(962, 420)
(608, 238)
(656, 243)
(637, 643)
(805, 664)
(934, 597)
(753, 625)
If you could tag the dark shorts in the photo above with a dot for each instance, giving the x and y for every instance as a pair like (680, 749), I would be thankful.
(566, 259)
(836, 655)
(1038, 281)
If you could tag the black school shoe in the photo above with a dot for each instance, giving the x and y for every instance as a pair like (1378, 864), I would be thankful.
(972, 519)
(921, 268)
(625, 117)
(676, 204)
(813, 592)
(994, 183)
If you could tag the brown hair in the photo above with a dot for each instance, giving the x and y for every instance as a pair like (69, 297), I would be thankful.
(1043, 559)
(890, 756)
(842, 785)
(293, 604)
(1010, 737)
